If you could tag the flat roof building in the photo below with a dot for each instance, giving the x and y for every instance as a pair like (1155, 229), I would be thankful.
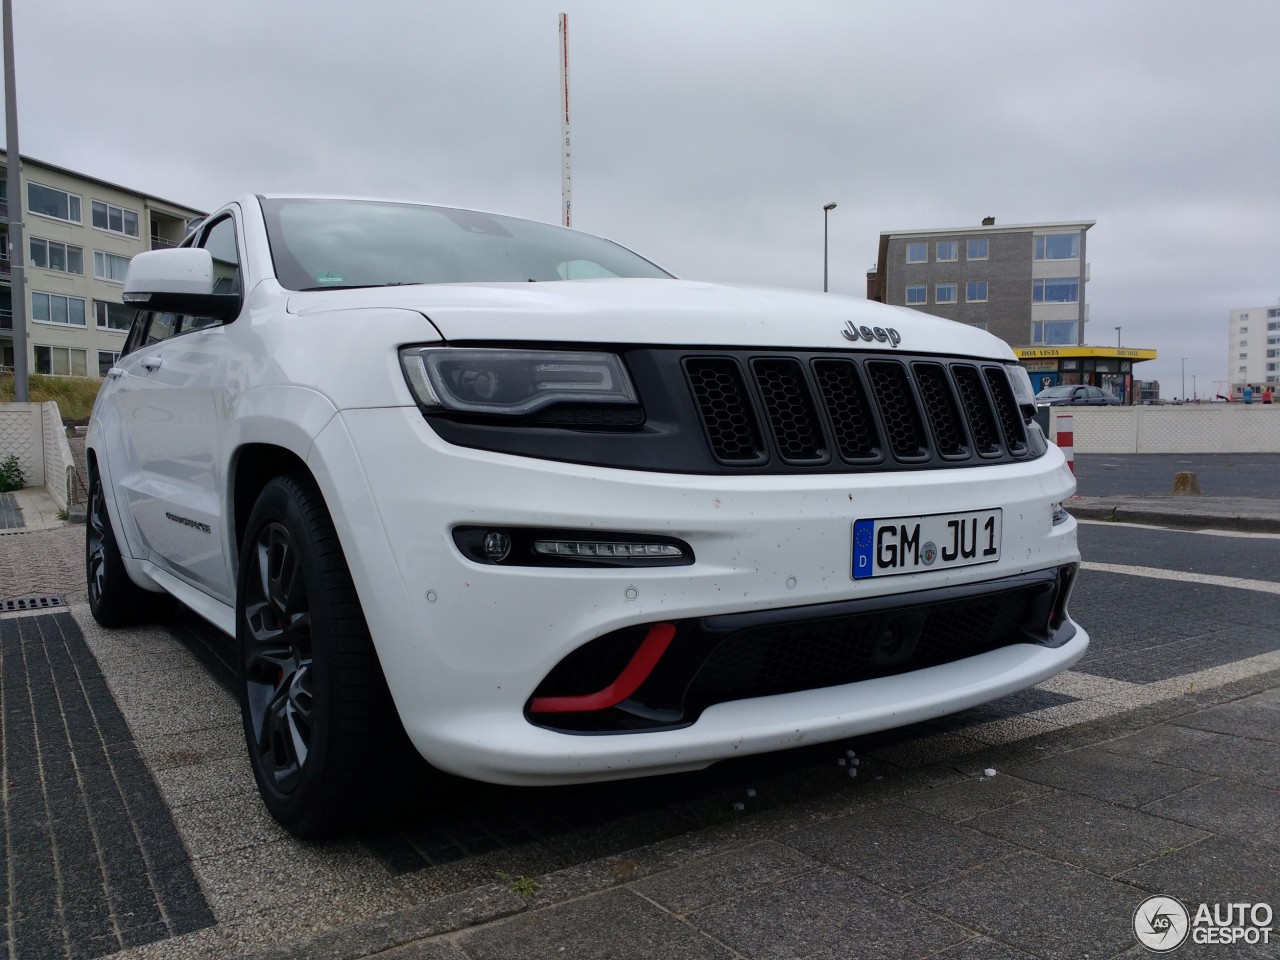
(1253, 347)
(1025, 283)
(80, 233)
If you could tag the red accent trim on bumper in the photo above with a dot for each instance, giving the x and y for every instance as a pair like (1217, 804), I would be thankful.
(635, 673)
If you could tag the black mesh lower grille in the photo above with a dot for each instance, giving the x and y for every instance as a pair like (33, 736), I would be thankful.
(827, 653)
(718, 659)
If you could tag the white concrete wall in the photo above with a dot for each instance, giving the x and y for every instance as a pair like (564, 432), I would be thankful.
(34, 433)
(1189, 428)
(59, 466)
(22, 434)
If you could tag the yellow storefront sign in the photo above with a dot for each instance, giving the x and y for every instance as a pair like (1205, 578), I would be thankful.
(1119, 353)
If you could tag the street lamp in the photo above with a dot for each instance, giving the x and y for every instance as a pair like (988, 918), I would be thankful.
(826, 211)
(1117, 338)
(1195, 394)
(1184, 379)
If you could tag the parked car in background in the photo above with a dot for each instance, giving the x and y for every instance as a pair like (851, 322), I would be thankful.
(517, 496)
(1075, 395)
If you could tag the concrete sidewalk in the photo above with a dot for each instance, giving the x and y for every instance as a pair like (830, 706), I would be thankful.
(1048, 858)
(1107, 789)
(1188, 512)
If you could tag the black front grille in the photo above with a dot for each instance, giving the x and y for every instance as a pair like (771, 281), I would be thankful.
(813, 410)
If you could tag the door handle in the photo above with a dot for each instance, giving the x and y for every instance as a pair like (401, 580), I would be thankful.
(115, 373)
(152, 363)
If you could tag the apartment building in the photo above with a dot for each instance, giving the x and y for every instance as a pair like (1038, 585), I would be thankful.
(80, 233)
(1025, 283)
(1253, 347)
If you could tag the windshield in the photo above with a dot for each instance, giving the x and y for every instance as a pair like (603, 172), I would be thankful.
(1053, 393)
(332, 244)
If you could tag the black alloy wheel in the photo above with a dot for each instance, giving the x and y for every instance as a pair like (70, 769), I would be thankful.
(114, 599)
(278, 661)
(318, 718)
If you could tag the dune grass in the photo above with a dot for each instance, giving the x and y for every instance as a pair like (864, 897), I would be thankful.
(75, 395)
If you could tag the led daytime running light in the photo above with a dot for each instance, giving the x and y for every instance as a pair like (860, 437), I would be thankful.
(605, 550)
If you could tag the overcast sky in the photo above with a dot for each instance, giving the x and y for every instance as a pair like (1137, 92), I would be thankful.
(708, 134)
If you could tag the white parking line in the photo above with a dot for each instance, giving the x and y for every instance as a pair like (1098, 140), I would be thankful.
(1208, 579)
(1207, 531)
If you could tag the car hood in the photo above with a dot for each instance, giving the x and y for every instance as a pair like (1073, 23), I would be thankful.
(645, 311)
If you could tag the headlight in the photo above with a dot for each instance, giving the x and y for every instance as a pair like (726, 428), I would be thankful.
(513, 382)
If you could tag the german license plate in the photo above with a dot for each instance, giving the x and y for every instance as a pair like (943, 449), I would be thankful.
(897, 545)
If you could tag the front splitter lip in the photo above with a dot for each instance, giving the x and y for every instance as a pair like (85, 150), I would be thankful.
(506, 749)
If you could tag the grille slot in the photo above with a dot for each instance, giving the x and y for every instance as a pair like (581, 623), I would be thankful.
(847, 406)
(1015, 433)
(897, 403)
(982, 419)
(789, 405)
(942, 410)
(725, 406)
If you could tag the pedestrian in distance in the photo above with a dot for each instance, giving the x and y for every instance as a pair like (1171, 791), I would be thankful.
(1248, 393)
(1266, 394)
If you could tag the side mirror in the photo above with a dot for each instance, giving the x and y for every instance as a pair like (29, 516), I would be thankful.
(178, 281)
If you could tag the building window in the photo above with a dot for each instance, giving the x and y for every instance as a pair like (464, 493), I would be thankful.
(917, 293)
(1059, 290)
(1243, 356)
(107, 266)
(1244, 343)
(975, 291)
(948, 249)
(115, 219)
(944, 292)
(1058, 246)
(49, 202)
(60, 361)
(53, 255)
(112, 316)
(1244, 329)
(52, 308)
(106, 360)
(1273, 312)
(1053, 332)
(917, 252)
(1274, 326)
(976, 250)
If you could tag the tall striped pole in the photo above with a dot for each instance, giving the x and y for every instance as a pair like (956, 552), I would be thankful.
(566, 179)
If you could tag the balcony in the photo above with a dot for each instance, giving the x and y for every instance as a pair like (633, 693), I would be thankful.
(160, 243)
(6, 319)
(5, 267)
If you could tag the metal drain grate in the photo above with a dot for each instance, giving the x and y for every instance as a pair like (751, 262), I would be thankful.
(40, 601)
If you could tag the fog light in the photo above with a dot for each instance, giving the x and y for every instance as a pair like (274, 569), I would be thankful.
(497, 546)
(1059, 513)
(606, 550)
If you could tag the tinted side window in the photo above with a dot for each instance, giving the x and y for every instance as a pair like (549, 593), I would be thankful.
(161, 327)
(220, 241)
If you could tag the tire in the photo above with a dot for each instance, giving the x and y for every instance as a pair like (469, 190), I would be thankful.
(114, 599)
(318, 718)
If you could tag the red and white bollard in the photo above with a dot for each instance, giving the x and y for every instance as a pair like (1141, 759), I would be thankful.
(1065, 439)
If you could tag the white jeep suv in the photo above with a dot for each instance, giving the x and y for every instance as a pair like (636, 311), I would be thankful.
(554, 514)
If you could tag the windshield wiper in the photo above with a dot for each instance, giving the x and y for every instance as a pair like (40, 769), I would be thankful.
(359, 286)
